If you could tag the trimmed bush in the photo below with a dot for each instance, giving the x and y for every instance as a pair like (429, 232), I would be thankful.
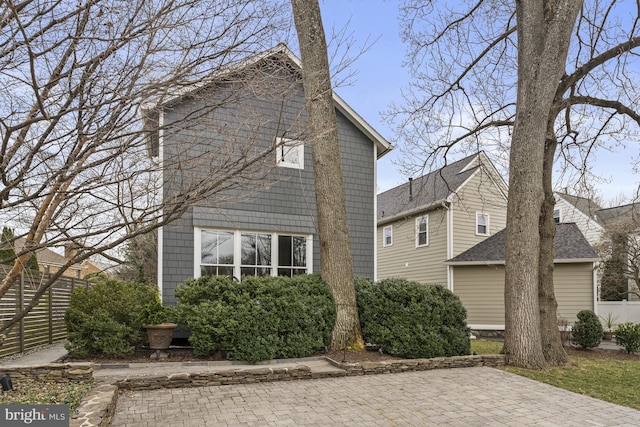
(627, 335)
(587, 331)
(259, 318)
(408, 319)
(105, 317)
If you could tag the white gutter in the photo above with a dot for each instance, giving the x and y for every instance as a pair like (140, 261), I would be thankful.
(375, 213)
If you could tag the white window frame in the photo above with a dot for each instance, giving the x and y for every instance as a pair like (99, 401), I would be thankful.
(237, 249)
(284, 146)
(486, 225)
(384, 236)
(426, 232)
(559, 215)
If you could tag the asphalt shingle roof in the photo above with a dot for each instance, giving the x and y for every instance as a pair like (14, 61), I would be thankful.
(426, 190)
(585, 205)
(626, 213)
(569, 243)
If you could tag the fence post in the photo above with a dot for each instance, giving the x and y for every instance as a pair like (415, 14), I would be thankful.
(50, 291)
(20, 308)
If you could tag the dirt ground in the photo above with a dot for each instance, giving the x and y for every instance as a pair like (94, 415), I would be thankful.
(186, 355)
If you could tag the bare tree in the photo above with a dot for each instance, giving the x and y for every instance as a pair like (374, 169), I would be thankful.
(471, 76)
(336, 263)
(77, 124)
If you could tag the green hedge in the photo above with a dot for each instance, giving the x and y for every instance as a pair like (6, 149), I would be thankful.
(408, 319)
(105, 317)
(260, 318)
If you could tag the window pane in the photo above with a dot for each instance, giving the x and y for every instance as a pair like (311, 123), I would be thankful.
(422, 225)
(263, 246)
(248, 242)
(208, 270)
(209, 247)
(284, 251)
(299, 252)
(422, 239)
(225, 248)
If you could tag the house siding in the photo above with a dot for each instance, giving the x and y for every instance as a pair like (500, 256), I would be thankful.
(569, 213)
(479, 194)
(481, 290)
(403, 259)
(288, 205)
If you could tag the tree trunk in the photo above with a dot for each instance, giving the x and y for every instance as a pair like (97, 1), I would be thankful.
(544, 30)
(336, 263)
(552, 346)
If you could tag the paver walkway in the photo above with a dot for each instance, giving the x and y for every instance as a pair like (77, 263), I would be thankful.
(451, 397)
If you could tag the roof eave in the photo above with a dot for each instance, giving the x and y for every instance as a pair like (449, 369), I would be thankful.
(411, 212)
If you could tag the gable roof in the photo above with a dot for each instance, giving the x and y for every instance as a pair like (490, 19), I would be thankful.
(585, 205)
(434, 188)
(46, 256)
(569, 245)
(626, 213)
(149, 112)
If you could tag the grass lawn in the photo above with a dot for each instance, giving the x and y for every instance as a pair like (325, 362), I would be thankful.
(614, 381)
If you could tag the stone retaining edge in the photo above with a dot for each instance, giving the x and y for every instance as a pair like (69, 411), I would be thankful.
(98, 407)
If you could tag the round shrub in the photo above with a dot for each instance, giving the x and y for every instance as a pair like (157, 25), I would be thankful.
(259, 318)
(627, 335)
(408, 319)
(104, 318)
(587, 331)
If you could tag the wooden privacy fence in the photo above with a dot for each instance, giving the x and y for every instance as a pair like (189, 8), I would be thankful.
(45, 323)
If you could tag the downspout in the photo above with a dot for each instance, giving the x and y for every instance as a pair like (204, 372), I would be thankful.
(375, 213)
(447, 205)
(594, 270)
(160, 229)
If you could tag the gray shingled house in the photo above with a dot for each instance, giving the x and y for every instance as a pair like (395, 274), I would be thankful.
(435, 217)
(478, 277)
(270, 230)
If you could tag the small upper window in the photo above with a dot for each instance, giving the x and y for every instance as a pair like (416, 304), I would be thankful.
(556, 216)
(422, 231)
(289, 153)
(482, 224)
(388, 236)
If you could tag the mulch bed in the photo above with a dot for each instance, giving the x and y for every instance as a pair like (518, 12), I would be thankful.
(186, 355)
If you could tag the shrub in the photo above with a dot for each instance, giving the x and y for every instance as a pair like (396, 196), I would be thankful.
(587, 331)
(627, 335)
(105, 317)
(408, 319)
(259, 318)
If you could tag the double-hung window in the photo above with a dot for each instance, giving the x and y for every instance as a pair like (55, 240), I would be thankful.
(387, 236)
(422, 231)
(216, 253)
(482, 224)
(292, 255)
(255, 254)
(556, 216)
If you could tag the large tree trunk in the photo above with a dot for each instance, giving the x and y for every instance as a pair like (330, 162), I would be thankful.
(552, 346)
(336, 263)
(544, 30)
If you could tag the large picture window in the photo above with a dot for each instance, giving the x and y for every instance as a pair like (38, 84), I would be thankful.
(243, 253)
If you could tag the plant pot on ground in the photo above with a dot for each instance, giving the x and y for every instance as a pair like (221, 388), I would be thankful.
(158, 320)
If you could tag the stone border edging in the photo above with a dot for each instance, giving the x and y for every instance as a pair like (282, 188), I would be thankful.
(97, 408)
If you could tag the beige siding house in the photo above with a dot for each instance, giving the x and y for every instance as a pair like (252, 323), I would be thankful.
(435, 217)
(478, 276)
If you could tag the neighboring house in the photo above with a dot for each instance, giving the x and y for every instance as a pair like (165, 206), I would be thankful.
(435, 217)
(582, 211)
(479, 277)
(50, 262)
(274, 232)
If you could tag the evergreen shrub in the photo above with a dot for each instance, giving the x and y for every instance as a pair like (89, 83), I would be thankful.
(627, 335)
(260, 318)
(587, 331)
(105, 317)
(408, 319)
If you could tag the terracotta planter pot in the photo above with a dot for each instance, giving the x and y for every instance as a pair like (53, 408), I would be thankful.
(607, 335)
(160, 335)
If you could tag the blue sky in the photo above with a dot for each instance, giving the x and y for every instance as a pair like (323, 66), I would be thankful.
(381, 77)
